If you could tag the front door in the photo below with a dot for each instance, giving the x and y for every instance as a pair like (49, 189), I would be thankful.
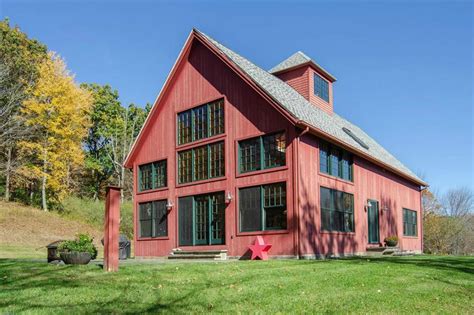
(201, 220)
(373, 221)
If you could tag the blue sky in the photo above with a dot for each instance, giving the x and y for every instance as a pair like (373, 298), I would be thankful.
(404, 69)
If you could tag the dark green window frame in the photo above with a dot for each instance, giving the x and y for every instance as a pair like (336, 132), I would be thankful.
(410, 222)
(201, 163)
(201, 122)
(263, 208)
(321, 87)
(153, 219)
(337, 210)
(264, 152)
(335, 161)
(152, 175)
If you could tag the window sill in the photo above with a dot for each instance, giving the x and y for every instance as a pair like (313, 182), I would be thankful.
(200, 182)
(192, 144)
(336, 178)
(152, 190)
(410, 237)
(267, 170)
(266, 232)
(160, 238)
(337, 232)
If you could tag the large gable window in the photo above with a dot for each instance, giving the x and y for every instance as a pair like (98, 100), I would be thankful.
(262, 152)
(410, 225)
(201, 122)
(335, 161)
(203, 162)
(152, 175)
(321, 88)
(337, 210)
(263, 208)
(153, 219)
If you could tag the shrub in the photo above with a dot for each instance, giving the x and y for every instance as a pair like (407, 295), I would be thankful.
(391, 240)
(82, 243)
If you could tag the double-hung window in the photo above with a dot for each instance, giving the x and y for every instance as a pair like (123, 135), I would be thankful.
(335, 161)
(201, 122)
(152, 175)
(203, 162)
(410, 225)
(262, 152)
(263, 208)
(337, 210)
(153, 220)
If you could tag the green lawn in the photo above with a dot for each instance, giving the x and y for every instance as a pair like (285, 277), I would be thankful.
(376, 285)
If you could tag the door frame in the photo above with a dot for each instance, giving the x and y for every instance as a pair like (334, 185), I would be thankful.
(369, 203)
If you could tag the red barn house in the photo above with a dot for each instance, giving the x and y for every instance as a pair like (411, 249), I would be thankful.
(231, 151)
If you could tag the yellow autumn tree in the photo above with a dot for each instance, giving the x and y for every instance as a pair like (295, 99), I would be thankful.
(58, 111)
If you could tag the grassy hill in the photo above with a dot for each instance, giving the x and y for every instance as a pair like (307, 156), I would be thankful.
(25, 231)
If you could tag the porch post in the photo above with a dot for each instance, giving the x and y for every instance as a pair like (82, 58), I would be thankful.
(111, 229)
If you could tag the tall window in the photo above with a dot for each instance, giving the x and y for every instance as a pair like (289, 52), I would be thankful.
(263, 208)
(262, 152)
(335, 161)
(410, 225)
(153, 219)
(152, 175)
(201, 122)
(321, 88)
(203, 162)
(337, 210)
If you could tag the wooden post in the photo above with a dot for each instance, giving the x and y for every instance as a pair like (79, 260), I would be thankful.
(111, 229)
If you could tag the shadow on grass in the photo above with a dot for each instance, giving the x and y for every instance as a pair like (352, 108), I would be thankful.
(448, 263)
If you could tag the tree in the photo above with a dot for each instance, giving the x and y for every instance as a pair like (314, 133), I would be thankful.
(19, 57)
(121, 142)
(59, 110)
(448, 223)
(106, 120)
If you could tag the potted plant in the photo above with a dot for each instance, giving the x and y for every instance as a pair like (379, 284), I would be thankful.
(391, 241)
(78, 251)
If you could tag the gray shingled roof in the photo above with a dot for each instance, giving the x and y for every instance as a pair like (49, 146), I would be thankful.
(298, 58)
(301, 109)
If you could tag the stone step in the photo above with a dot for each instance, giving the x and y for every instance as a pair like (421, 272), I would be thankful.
(198, 254)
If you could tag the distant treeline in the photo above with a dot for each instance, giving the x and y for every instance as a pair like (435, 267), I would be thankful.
(58, 138)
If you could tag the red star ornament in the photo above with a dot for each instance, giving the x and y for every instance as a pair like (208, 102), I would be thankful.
(260, 249)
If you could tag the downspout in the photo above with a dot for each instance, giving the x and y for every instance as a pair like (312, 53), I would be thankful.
(296, 195)
(422, 217)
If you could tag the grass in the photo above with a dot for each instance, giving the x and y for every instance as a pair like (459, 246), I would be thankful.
(377, 285)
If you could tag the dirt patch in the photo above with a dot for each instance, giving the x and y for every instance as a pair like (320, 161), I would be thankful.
(22, 225)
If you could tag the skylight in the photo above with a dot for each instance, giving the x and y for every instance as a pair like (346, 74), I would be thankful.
(356, 139)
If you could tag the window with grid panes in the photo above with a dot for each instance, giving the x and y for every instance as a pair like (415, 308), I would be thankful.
(153, 219)
(201, 122)
(216, 160)
(410, 225)
(321, 88)
(335, 161)
(201, 163)
(185, 166)
(337, 210)
(152, 175)
(263, 208)
(262, 152)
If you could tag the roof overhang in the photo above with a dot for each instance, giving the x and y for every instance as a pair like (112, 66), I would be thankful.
(302, 124)
(311, 64)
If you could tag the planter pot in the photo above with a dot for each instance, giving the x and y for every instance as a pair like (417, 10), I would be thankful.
(75, 258)
(391, 243)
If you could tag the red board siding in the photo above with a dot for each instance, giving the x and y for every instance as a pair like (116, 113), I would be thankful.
(202, 78)
(370, 182)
